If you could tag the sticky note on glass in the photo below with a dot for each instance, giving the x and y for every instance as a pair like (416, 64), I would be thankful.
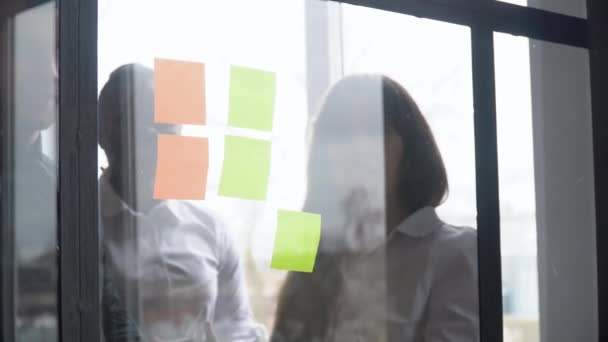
(179, 92)
(246, 168)
(252, 98)
(181, 168)
(297, 241)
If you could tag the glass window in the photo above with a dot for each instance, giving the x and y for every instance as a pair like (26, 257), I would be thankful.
(29, 158)
(546, 191)
(271, 169)
(412, 51)
(228, 48)
(577, 8)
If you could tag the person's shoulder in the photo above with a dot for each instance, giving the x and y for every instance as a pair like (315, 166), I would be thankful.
(463, 234)
(195, 211)
(203, 217)
(457, 242)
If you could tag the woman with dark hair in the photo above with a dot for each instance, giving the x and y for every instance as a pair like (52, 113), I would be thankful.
(388, 268)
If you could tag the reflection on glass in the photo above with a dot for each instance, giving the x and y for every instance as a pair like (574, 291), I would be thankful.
(366, 163)
(34, 174)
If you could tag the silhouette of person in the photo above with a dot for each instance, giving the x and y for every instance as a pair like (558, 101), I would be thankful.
(30, 175)
(173, 263)
(388, 268)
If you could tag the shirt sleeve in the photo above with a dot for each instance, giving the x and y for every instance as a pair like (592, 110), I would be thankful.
(453, 311)
(233, 319)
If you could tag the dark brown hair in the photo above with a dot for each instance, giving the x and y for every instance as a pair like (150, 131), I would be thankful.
(126, 106)
(348, 112)
(422, 167)
(306, 300)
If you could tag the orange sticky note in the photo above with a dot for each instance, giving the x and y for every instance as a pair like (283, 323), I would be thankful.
(181, 168)
(179, 92)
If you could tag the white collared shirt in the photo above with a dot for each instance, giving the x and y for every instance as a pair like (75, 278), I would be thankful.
(176, 254)
(445, 305)
(421, 287)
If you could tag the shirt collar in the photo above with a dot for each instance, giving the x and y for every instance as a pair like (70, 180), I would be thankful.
(421, 223)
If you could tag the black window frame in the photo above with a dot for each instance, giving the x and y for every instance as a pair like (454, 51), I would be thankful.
(485, 17)
(7, 231)
(79, 239)
(598, 58)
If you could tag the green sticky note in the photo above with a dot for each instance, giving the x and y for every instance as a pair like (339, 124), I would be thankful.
(297, 241)
(246, 168)
(252, 96)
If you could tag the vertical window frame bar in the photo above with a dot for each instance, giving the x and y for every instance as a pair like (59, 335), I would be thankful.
(487, 183)
(597, 13)
(7, 228)
(79, 248)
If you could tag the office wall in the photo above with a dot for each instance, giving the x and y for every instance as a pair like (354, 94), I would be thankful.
(563, 148)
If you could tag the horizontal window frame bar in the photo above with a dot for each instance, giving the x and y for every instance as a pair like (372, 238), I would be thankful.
(497, 16)
(10, 8)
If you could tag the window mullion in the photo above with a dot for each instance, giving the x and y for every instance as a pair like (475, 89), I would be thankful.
(79, 257)
(486, 166)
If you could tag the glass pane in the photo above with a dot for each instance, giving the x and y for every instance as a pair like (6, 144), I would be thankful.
(29, 201)
(180, 266)
(546, 191)
(577, 8)
(442, 88)
(260, 183)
